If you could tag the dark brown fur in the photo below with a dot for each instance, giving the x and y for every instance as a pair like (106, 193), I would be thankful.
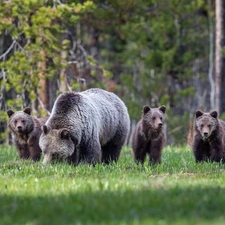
(209, 137)
(26, 131)
(149, 135)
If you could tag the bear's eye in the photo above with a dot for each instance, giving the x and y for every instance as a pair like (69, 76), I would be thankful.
(201, 125)
(209, 126)
(15, 121)
(160, 118)
(23, 121)
(153, 118)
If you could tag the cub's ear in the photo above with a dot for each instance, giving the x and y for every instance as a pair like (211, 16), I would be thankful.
(198, 113)
(45, 129)
(64, 133)
(146, 109)
(163, 108)
(10, 112)
(27, 110)
(214, 114)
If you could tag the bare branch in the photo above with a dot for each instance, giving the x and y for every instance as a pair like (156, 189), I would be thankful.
(15, 43)
(42, 106)
(19, 46)
(8, 50)
(4, 81)
(83, 50)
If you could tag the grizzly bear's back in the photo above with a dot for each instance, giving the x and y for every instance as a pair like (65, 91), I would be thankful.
(94, 108)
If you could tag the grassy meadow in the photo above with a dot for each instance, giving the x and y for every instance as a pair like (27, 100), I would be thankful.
(178, 191)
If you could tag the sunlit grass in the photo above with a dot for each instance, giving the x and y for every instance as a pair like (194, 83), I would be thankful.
(178, 191)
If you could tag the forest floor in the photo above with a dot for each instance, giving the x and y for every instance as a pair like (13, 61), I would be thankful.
(178, 191)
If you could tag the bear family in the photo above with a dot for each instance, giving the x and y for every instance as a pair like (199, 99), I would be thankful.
(92, 126)
(26, 131)
(149, 135)
(89, 126)
(209, 137)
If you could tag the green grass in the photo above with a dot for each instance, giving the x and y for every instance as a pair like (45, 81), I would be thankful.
(178, 191)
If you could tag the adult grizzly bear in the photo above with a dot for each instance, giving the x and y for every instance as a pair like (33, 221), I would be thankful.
(26, 131)
(149, 135)
(89, 126)
(209, 137)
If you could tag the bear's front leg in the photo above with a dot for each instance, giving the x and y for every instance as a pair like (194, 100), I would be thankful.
(155, 151)
(139, 149)
(140, 155)
(200, 150)
(216, 151)
(22, 150)
(34, 150)
(90, 152)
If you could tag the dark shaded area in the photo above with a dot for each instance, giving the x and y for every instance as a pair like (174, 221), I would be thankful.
(192, 204)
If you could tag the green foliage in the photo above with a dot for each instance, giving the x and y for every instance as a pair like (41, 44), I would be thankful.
(190, 91)
(148, 48)
(36, 29)
(155, 51)
(178, 191)
(180, 125)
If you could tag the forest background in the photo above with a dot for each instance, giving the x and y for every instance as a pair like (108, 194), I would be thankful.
(148, 52)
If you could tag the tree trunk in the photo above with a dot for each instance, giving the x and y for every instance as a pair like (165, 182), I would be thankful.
(211, 57)
(63, 75)
(219, 59)
(42, 92)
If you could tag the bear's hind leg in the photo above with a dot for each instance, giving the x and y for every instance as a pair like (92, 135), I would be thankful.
(111, 152)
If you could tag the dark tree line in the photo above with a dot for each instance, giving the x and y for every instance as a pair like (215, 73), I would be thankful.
(148, 52)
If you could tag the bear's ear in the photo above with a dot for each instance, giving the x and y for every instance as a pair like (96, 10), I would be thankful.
(214, 114)
(146, 109)
(45, 129)
(27, 110)
(10, 112)
(64, 133)
(198, 113)
(163, 108)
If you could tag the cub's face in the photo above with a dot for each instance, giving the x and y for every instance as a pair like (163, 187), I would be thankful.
(20, 122)
(56, 144)
(206, 123)
(154, 117)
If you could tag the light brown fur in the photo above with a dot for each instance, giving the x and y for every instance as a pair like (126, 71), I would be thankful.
(26, 131)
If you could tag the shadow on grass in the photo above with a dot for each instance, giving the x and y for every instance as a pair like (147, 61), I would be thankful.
(172, 206)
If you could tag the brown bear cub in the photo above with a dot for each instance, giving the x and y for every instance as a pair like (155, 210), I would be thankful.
(149, 135)
(209, 137)
(26, 131)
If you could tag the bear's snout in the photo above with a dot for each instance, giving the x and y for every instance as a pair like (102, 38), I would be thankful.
(19, 128)
(160, 125)
(47, 159)
(205, 134)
